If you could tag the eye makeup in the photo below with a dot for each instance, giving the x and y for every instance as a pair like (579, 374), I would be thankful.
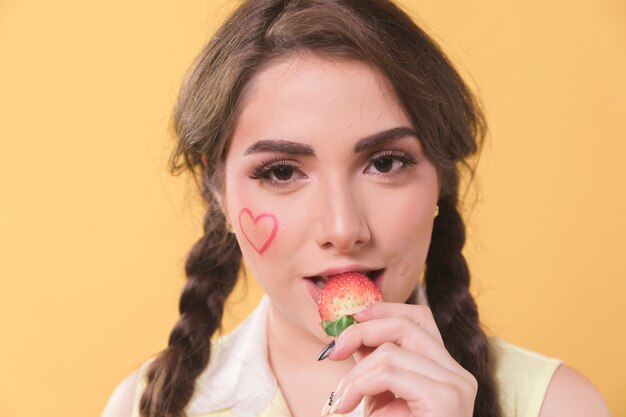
(405, 158)
(277, 171)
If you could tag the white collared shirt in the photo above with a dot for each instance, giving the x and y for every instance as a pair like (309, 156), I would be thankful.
(239, 377)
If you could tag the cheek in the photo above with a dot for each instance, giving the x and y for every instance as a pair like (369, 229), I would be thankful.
(404, 219)
(269, 231)
(270, 238)
(403, 222)
(267, 226)
(259, 230)
(256, 224)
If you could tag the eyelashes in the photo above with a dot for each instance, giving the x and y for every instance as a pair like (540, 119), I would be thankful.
(277, 171)
(265, 168)
(282, 172)
(398, 159)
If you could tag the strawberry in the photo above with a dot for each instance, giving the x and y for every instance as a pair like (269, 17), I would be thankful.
(343, 295)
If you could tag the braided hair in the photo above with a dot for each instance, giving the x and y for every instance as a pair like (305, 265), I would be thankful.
(211, 267)
(445, 114)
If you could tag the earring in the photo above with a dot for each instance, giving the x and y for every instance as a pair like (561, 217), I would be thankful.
(229, 227)
(436, 211)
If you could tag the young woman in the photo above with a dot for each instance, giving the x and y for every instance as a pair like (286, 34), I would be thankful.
(328, 136)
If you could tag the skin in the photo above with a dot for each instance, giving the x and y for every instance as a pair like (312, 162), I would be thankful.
(335, 209)
(338, 208)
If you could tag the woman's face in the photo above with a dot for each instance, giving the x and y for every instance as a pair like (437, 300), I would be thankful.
(325, 175)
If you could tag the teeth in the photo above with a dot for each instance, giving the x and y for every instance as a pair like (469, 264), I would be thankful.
(320, 283)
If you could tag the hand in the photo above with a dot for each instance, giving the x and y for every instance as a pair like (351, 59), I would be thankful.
(403, 368)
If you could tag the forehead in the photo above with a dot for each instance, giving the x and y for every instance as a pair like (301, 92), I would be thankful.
(308, 95)
(307, 72)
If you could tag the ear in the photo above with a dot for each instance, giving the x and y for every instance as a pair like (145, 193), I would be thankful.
(204, 159)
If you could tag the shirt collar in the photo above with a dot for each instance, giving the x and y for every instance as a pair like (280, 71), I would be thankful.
(238, 376)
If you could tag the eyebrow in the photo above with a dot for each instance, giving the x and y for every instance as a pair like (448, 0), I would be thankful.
(280, 146)
(295, 148)
(385, 136)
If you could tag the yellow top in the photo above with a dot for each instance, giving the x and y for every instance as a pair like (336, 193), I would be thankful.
(523, 377)
(239, 383)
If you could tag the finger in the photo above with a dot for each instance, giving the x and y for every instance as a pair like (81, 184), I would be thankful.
(404, 384)
(420, 314)
(394, 356)
(398, 330)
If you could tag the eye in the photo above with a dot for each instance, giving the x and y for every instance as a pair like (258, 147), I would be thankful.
(389, 162)
(282, 173)
(386, 163)
(278, 172)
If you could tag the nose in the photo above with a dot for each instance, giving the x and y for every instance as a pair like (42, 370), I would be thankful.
(342, 224)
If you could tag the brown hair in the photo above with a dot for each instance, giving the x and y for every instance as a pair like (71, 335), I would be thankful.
(442, 109)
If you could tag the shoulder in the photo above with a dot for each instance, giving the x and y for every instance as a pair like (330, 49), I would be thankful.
(534, 385)
(571, 394)
(122, 400)
(521, 371)
(523, 377)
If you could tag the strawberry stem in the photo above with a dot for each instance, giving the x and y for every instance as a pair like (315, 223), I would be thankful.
(334, 328)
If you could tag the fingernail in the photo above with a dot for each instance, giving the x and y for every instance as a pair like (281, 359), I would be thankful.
(328, 404)
(336, 405)
(326, 351)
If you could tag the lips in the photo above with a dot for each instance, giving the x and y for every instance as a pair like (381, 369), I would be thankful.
(320, 280)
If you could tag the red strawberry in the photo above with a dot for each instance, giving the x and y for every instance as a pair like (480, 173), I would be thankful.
(344, 295)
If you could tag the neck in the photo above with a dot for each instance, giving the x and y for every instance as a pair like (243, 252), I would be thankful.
(304, 381)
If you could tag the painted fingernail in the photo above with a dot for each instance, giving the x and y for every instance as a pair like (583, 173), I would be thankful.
(336, 405)
(328, 404)
(326, 351)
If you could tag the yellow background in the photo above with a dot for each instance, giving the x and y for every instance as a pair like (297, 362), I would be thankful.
(94, 232)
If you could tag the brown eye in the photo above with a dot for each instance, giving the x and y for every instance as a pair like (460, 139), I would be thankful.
(389, 163)
(283, 173)
(383, 164)
(278, 173)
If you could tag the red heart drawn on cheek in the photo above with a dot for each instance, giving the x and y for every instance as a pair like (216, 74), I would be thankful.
(260, 231)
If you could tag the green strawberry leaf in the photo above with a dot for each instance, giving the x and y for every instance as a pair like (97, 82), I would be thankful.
(334, 328)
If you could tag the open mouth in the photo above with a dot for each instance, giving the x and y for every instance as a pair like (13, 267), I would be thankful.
(320, 281)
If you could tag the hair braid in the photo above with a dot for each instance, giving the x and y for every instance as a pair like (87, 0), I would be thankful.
(447, 280)
(212, 267)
